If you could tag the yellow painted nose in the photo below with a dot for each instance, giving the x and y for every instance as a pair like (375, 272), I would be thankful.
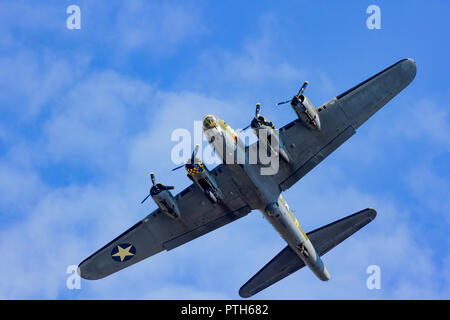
(209, 122)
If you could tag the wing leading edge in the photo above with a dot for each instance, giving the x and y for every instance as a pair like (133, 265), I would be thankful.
(324, 239)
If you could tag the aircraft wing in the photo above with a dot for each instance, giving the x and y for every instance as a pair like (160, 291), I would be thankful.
(323, 239)
(339, 118)
(158, 232)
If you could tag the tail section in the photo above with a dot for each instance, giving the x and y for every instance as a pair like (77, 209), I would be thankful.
(324, 239)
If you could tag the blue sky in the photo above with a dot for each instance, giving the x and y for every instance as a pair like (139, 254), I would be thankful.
(87, 114)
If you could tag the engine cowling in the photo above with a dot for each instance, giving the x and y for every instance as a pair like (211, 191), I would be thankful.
(165, 201)
(306, 111)
(261, 123)
(163, 198)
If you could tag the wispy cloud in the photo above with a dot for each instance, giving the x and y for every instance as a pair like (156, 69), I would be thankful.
(80, 138)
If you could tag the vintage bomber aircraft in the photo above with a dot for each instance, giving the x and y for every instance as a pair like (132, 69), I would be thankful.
(231, 191)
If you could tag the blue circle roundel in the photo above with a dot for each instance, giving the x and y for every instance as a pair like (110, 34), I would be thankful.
(123, 252)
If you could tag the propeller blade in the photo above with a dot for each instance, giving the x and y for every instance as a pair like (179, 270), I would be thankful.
(280, 103)
(169, 187)
(178, 167)
(194, 153)
(246, 127)
(300, 92)
(145, 199)
(258, 109)
(153, 178)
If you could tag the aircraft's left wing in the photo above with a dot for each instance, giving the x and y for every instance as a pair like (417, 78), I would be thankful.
(158, 232)
(324, 239)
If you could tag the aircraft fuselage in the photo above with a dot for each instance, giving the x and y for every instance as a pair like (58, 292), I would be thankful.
(226, 144)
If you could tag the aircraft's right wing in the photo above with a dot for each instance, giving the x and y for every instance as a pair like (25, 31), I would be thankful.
(339, 119)
(323, 239)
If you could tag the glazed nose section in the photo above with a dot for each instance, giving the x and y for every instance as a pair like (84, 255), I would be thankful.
(209, 122)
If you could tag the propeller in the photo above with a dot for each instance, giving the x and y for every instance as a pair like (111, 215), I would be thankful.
(156, 187)
(257, 111)
(300, 92)
(194, 154)
(152, 176)
(255, 122)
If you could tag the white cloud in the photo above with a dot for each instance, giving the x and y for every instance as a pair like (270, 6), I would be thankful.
(424, 120)
(407, 266)
(20, 189)
(68, 223)
(42, 80)
(119, 28)
(247, 73)
(159, 26)
(119, 125)
(97, 117)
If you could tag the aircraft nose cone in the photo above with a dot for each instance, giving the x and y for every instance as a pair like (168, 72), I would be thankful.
(209, 122)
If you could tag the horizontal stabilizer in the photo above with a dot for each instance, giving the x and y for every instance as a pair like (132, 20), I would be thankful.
(323, 239)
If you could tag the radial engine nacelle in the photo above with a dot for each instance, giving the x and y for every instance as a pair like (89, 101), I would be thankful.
(304, 109)
(260, 124)
(164, 199)
(201, 177)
